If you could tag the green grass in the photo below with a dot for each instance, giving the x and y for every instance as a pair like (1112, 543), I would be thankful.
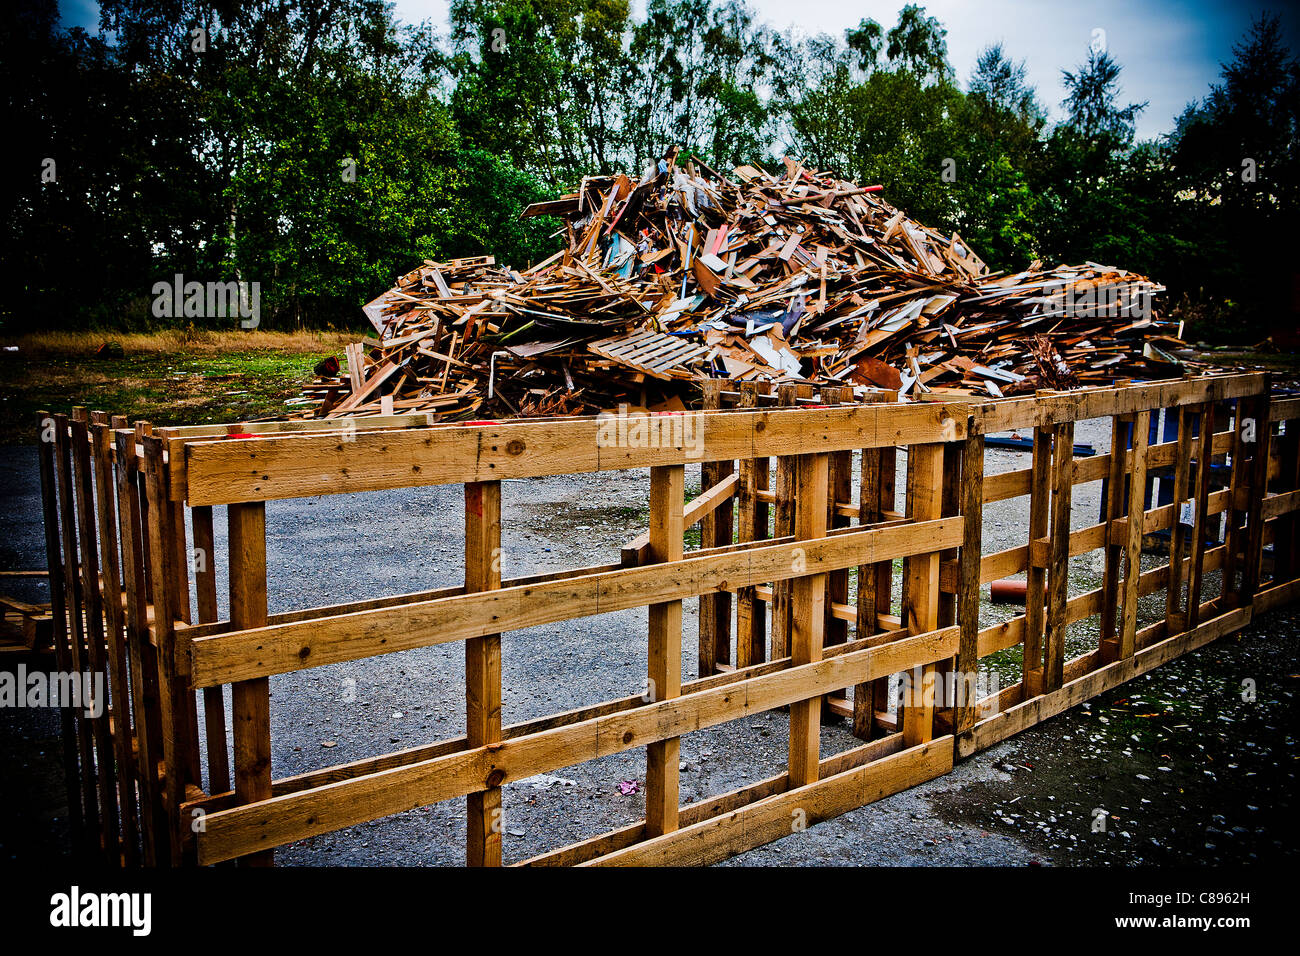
(176, 384)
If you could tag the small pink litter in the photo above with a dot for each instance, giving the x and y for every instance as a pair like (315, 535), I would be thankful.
(626, 787)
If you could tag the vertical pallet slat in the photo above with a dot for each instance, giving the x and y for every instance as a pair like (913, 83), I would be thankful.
(250, 699)
(868, 513)
(1201, 524)
(1114, 496)
(783, 525)
(715, 532)
(921, 590)
(1040, 495)
(664, 661)
(179, 576)
(751, 613)
(76, 632)
(114, 620)
(484, 823)
(968, 587)
(214, 701)
(888, 501)
(1059, 579)
(59, 616)
(945, 676)
(160, 554)
(839, 491)
(808, 604)
(1286, 534)
(1232, 535)
(1133, 542)
(1259, 408)
(96, 663)
(143, 663)
(1174, 612)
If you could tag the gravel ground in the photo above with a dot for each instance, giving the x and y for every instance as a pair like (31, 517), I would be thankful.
(1184, 769)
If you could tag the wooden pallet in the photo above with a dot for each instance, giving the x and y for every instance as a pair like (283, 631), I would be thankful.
(655, 353)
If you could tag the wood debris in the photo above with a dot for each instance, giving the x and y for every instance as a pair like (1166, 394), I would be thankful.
(689, 274)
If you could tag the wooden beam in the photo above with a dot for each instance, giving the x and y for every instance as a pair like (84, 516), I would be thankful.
(114, 639)
(921, 588)
(751, 613)
(1174, 612)
(484, 812)
(1059, 571)
(968, 589)
(664, 662)
(250, 699)
(716, 530)
(244, 829)
(1036, 577)
(280, 648)
(1133, 549)
(293, 466)
(808, 607)
(47, 431)
(73, 599)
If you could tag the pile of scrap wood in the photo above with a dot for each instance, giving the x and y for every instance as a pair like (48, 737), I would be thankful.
(690, 274)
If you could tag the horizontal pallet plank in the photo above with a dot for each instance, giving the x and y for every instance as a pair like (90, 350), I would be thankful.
(281, 648)
(269, 823)
(271, 468)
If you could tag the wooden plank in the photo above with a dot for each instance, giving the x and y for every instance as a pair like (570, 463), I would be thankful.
(1238, 482)
(159, 554)
(250, 699)
(715, 531)
(72, 582)
(1177, 537)
(635, 551)
(243, 829)
(921, 588)
(484, 812)
(1278, 595)
(947, 596)
(214, 703)
(46, 432)
(1036, 577)
(868, 511)
(752, 525)
(808, 607)
(115, 646)
(1201, 526)
(693, 813)
(664, 661)
(885, 569)
(1059, 571)
(1107, 401)
(968, 590)
(1038, 709)
(96, 655)
(1254, 555)
(1010, 633)
(839, 493)
(270, 468)
(728, 834)
(281, 648)
(783, 519)
(1133, 549)
(143, 662)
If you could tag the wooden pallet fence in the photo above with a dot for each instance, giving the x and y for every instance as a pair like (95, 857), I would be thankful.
(801, 525)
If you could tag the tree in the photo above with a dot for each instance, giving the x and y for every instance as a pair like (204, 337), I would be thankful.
(1092, 100)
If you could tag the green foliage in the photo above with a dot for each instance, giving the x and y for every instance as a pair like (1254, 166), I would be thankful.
(321, 149)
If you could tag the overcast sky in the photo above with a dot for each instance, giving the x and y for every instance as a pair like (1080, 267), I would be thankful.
(1170, 50)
